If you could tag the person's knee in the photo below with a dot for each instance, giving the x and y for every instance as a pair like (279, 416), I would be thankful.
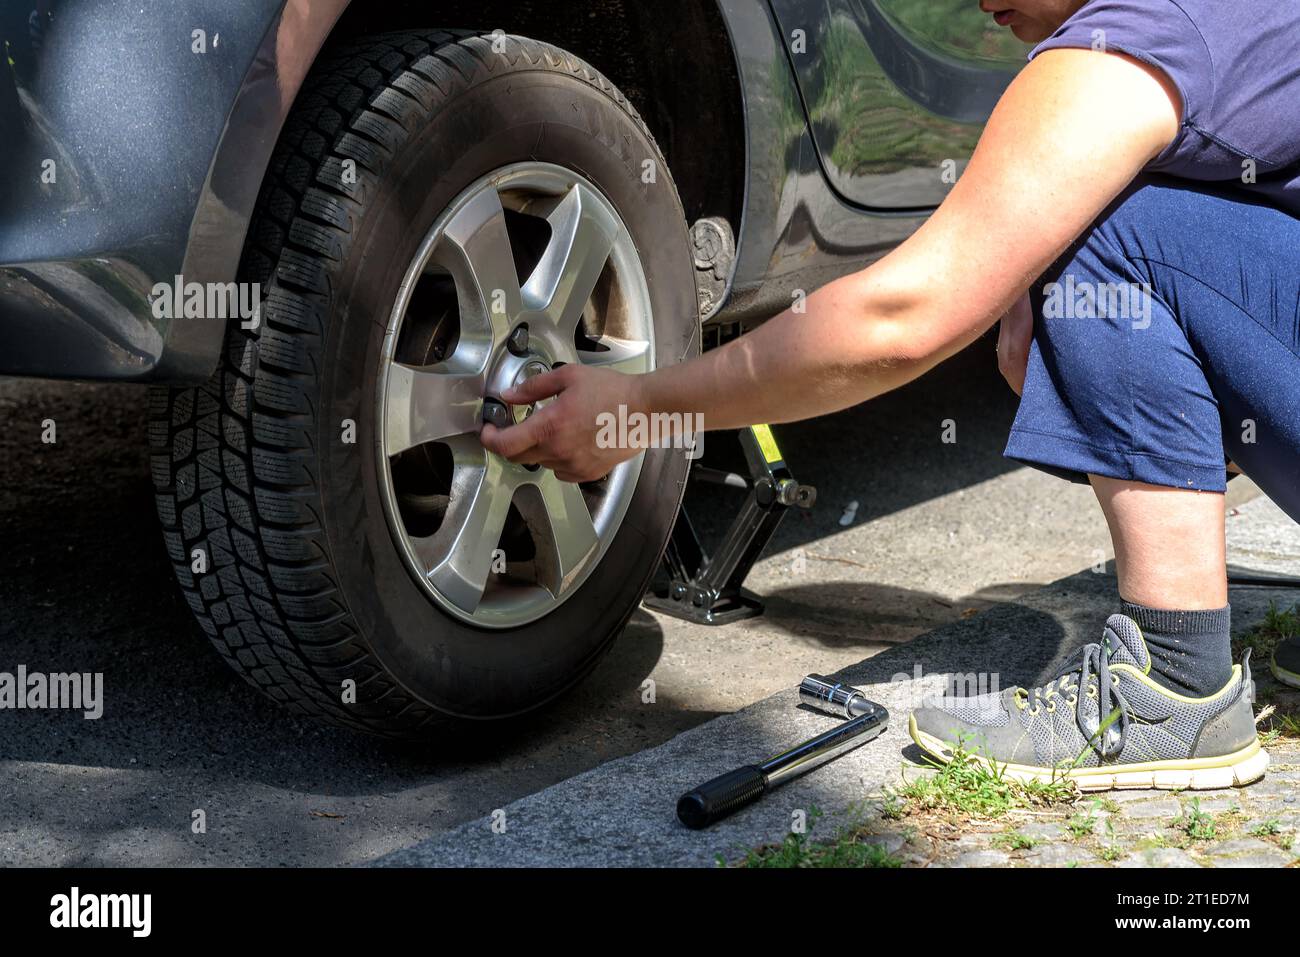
(1101, 290)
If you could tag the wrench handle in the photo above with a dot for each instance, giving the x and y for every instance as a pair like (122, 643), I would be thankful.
(725, 794)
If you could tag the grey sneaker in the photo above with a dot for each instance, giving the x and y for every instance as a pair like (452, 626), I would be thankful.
(1103, 723)
(1286, 662)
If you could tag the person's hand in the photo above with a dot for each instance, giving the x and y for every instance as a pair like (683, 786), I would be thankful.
(1015, 332)
(561, 434)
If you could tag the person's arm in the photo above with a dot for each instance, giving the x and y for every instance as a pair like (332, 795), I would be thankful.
(1067, 137)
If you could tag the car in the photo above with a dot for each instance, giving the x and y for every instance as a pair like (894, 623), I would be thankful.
(328, 234)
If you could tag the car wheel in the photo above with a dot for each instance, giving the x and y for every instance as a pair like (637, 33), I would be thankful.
(445, 214)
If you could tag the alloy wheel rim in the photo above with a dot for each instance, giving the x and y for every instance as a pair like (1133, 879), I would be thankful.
(531, 245)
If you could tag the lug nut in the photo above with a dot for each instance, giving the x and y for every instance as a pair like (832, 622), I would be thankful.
(497, 413)
(517, 344)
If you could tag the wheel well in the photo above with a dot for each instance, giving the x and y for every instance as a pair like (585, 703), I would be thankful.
(672, 59)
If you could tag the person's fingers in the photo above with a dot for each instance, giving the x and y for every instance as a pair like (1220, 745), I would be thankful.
(537, 388)
(512, 442)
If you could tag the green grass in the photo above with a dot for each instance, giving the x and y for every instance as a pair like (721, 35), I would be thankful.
(970, 787)
(1110, 852)
(1271, 830)
(1195, 823)
(798, 852)
(1081, 825)
(1279, 718)
(893, 808)
(1277, 726)
(1154, 842)
(1278, 625)
(1014, 841)
(848, 847)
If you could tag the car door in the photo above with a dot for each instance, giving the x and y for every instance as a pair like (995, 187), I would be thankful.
(896, 91)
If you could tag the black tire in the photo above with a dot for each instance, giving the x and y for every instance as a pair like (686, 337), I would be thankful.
(305, 588)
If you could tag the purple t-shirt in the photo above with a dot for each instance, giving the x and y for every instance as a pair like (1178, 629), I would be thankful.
(1236, 64)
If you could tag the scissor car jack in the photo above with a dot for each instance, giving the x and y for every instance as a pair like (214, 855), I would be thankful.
(710, 589)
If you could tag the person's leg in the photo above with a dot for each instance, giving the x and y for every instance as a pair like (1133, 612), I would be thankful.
(1200, 362)
(1232, 270)
(1170, 559)
(1120, 389)
(1169, 543)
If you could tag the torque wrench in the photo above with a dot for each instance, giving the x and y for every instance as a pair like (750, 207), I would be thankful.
(714, 800)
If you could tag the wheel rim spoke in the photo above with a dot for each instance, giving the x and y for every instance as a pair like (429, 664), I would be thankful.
(583, 234)
(429, 405)
(458, 557)
(476, 251)
(629, 356)
(564, 534)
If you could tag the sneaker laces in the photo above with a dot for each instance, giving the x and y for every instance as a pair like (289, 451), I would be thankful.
(1094, 658)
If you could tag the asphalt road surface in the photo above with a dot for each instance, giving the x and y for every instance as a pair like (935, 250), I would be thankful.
(940, 528)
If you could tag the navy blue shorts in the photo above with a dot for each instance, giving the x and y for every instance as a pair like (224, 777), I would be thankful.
(1166, 342)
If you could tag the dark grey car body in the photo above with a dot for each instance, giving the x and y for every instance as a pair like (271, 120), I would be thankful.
(134, 138)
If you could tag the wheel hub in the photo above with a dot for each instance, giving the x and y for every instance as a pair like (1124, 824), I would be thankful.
(531, 370)
(514, 371)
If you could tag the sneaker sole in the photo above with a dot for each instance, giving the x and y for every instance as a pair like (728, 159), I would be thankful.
(1289, 678)
(1195, 774)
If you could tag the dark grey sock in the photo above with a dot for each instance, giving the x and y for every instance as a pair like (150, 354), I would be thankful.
(1191, 651)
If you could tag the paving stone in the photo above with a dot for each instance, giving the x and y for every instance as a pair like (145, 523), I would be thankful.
(1236, 845)
(1058, 855)
(1283, 824)
(1128, 797)
(1273, 788)
(1270, 858)
(868, 808)
(1247, 852)
(1165, 808)
(1158, 857)
(1137, 826)
(891, 842)
(1213, 804)
(1043, 831)
(986, 858)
